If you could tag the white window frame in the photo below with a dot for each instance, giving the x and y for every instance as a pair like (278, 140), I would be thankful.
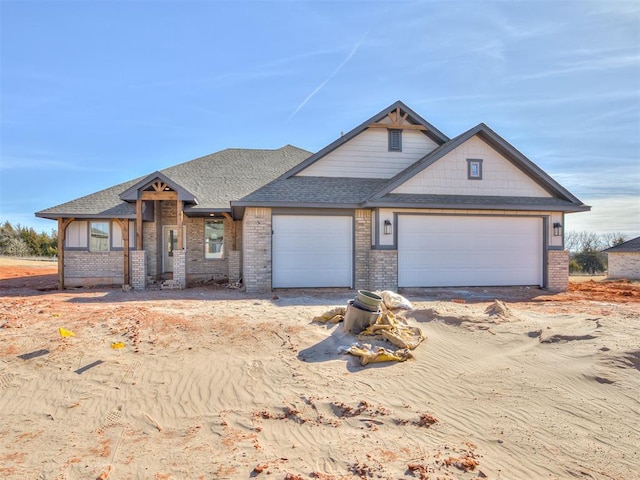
(93, 248)
(474, 168)
(209, 241)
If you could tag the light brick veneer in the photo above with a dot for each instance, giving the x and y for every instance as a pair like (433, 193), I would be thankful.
(85, 269)
(179, 267)
(233, 259)
(362, 224)
(624, 265)
(384, 270)
(138, 269)
(557, 270)
(256, 232)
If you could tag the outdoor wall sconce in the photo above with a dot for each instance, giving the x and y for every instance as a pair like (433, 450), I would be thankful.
(557, 229)
(387, 227)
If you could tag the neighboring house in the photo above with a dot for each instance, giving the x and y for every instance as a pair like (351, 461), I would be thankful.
(624, 260)
(393, 203)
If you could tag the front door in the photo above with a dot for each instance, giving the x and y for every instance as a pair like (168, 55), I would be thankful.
(169, 245)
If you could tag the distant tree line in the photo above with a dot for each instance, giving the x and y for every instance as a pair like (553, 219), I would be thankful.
(26, 242)
(585, 250)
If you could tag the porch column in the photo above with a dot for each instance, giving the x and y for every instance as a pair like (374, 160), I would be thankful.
(124, 227)
(179, 215)
(139, 264)
(180, 268)
(62, 233)
(139, 224)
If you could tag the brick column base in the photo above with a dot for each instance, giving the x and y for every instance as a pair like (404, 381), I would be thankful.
(180, 267)
(138, 269)
(233, 259)
(558, 270)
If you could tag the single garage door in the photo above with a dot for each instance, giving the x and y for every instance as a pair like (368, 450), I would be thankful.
(447, 251)
(312, 251)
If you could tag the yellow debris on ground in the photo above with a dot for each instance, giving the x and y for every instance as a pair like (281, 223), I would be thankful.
(387, 327)
(65, 333)
(395, 330)
(332, 316)
(369, 354)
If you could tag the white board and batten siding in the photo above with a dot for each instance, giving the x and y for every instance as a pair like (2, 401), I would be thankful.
(367, 155)
(448, 175)
(457, 251)
(311, 251)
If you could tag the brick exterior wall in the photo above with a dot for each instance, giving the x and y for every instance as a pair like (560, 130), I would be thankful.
(624, 265)
(557, 270)
(83, 268)
(362, 224)
(179, 272)
(197, 267)
(233, 259)
(256, 250)
(383, 270)
(138, 270)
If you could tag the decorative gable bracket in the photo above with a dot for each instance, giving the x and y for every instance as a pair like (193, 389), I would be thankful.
(398, 122)
(157, 186)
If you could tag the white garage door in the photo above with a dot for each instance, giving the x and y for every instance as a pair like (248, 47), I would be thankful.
(312, 251)
(447, 251)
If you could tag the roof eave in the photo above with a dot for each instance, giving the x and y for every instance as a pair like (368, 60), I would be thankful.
(469, 206)
(246, 204)
(55, 216)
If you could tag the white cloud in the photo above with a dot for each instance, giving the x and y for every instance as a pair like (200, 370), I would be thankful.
(608, 215)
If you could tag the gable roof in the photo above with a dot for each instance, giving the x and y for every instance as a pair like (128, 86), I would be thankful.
(287, 191)
(495, 141)
(213, 180)
(632, 245)
(131, 194)
(432, 132)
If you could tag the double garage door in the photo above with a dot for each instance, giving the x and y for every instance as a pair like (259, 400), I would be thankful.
(442, 251)
(433, 251)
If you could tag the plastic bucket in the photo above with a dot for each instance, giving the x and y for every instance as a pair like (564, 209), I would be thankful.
(357, 319)
(369, 299)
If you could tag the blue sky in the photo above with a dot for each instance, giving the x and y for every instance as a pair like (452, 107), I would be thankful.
(94, 93)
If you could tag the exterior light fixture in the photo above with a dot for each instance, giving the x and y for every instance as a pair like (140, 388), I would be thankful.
(388, 229)
(557, 229)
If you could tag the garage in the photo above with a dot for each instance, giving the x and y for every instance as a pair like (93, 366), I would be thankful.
(312, 251)
(458, 250)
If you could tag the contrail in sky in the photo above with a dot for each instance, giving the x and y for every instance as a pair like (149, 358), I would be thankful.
(333, 74)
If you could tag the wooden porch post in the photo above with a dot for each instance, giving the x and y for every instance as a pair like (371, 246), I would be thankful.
(124, 227)
(62, 233)
(232, 227)
(138, 225)
(179, 215)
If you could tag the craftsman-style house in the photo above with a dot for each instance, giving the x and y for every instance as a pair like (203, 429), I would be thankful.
(393, 203)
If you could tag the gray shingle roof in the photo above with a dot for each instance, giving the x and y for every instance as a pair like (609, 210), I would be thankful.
(314, 190)
(214, 179)
(485, 202)
(632, 245)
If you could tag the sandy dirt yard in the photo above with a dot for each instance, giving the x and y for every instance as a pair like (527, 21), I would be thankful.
(213, 383)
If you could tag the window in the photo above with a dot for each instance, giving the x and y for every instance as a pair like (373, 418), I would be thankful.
(99, 236)
(395, 140)
(474, 169)
(213, 238)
